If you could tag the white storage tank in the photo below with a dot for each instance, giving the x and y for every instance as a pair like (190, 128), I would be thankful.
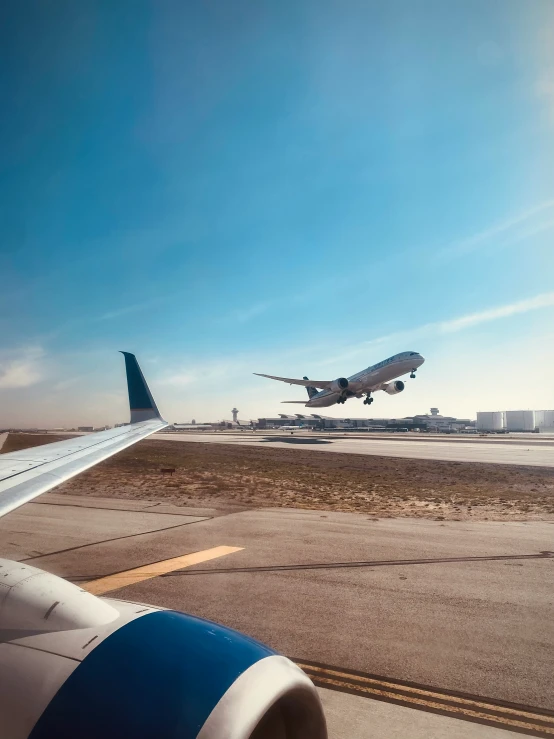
(544, 421)
(520, 420)
(490, 420)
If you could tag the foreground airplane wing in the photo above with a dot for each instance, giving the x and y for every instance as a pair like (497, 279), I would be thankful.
(26, 474)
(146, 671)
(323, 384)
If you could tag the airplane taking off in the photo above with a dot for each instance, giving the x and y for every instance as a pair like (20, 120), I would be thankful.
(377, 377)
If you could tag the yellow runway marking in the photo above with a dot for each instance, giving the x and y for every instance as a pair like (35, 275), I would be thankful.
(130, 577)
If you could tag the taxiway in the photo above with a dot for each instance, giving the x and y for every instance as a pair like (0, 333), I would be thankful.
(429, 628)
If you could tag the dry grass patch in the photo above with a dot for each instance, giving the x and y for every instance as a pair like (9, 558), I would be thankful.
(213, 474)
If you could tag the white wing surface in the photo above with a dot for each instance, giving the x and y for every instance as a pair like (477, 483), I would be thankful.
(323, 384)
(30, 472)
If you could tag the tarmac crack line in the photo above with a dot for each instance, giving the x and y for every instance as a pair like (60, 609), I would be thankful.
(110, 508)
(115, 538)
(348, 565)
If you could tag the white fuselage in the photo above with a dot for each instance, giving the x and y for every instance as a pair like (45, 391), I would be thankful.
(370, 379)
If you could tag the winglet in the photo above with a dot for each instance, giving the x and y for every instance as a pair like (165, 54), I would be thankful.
(141, 402)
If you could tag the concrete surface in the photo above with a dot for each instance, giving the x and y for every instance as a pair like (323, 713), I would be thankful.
(353, 717)
(42, 527)
(461, 606)
(535, 454)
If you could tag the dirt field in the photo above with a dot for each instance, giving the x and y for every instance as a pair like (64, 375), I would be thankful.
(214, 474)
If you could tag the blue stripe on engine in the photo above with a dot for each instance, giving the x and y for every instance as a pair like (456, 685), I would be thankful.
(157, 677)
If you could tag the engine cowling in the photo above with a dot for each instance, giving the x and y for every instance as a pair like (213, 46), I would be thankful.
(119, 669)
(339, 385)
(393, 388)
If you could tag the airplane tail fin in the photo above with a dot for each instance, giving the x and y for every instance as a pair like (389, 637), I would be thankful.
(310, 390)
(141, 402)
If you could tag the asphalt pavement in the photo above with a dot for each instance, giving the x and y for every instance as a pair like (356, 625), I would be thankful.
(409, 627)
(522, 452)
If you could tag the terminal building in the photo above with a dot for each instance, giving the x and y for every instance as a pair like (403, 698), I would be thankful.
(505, 421)
(432, 421)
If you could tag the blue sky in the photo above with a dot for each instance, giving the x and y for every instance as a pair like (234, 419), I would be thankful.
(292, 188)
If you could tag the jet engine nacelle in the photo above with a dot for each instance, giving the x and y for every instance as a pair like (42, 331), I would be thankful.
(393, 388)
(339, 386)
(74, 665)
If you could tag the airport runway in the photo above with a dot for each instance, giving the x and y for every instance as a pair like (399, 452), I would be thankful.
(453, 617)
(522, 453)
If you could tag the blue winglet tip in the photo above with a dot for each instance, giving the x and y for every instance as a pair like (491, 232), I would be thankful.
(141, 401)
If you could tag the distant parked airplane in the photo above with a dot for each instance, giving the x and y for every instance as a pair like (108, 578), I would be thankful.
(376, 377)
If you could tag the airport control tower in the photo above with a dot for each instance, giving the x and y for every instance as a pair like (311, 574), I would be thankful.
(235, 415)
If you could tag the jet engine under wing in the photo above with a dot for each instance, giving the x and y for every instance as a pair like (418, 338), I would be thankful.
(323, 384)
(26, 474)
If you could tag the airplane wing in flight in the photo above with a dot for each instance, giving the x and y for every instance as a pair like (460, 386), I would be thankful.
(28, 473)
(323, 384)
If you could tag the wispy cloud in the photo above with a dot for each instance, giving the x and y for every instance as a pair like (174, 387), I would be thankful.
(544, 53)
(243, 315)
(21, 368)
(178, 379)
(533, 230)
(133, 308)
(505, 228)
(121, 312)
(544, 89)
(544, 300)
(504, 311)
(438, 328)
(208, 373)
